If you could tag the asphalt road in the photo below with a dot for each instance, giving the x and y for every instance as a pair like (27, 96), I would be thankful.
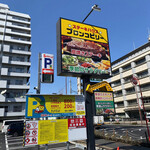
(15, 143)
(135, 132)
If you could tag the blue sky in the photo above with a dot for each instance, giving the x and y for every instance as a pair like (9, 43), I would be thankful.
(127, 22)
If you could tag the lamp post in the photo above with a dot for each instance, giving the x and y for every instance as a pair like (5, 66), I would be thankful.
(89, 102)
(95, 7)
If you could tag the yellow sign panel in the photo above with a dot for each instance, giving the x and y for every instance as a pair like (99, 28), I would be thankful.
(83, 31)
(52, 131)
(38, 106)
(91, 88)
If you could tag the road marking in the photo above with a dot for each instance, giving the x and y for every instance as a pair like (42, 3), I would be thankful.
(16, 143)
(7, 148)
(14, 140)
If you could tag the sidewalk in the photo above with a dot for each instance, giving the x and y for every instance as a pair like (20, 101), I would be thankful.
(110, 145)
(131, 123)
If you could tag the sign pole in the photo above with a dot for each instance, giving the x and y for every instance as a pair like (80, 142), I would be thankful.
(38, 90)
(89, 115)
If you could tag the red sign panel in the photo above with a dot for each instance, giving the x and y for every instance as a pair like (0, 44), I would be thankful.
(76, 123)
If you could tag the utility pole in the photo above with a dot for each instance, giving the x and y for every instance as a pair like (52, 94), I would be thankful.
(70, 87)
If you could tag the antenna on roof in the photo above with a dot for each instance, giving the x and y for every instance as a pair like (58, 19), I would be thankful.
(133, 46)
(148, 34)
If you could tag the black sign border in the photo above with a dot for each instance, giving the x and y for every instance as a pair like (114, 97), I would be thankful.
(61, 72)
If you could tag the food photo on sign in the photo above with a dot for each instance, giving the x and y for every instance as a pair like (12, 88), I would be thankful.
(83, 54)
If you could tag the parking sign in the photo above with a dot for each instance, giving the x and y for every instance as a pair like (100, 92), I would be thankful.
(47, 68)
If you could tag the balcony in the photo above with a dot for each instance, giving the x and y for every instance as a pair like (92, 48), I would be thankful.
(11, 18)
(144, 80)
(127, 73)
(114, 78)
(118, 99)
(9, 39)
(128, 85)
(20, 63)
(9, 24)
(17, 99)
(21, 52)
(130, 108)
(141, 68)
(131, 96)
(16, 74)
(117, 88)
(22, 113)
(24, 87)
(119, 110)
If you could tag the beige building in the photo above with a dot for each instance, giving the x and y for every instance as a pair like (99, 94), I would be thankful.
(126, 95)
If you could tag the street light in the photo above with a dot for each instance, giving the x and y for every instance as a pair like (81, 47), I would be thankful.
(88, 104)
(95, 7)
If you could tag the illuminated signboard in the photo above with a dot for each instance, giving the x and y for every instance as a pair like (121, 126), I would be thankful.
(47, 68)
(38, 106)
(104, 103)
(82, 49)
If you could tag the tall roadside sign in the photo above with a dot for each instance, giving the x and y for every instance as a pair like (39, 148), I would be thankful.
(83, 51)
(47, 68)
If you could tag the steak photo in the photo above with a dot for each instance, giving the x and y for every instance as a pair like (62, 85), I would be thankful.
(86, 46)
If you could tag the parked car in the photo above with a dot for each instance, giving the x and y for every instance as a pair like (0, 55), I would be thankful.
(15, 129)
(6, 123)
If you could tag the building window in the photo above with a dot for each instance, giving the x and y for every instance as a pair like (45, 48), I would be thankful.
(145, 86)
(142, 74)
(20, 59)
(116, 83)
(19, 38)
(115, 72)
(20, 18)
(20, 70)
(118, 93)
(19, 82)
(130, 90)
(19, 31)
(17, 108)
(20, 24)
(127, 79)
(126, 67)
(140, 61)
(17, 47)
(146, 99)
(132, 102)
(120, 104)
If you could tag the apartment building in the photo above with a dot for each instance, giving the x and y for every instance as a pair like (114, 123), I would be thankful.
(15, 43)
(126, 95)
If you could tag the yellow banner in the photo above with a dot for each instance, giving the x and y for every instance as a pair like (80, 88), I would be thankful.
(52, 131)
(83, 31)
(60, 104)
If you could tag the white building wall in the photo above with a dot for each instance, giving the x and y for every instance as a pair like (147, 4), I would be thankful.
(16, 32)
